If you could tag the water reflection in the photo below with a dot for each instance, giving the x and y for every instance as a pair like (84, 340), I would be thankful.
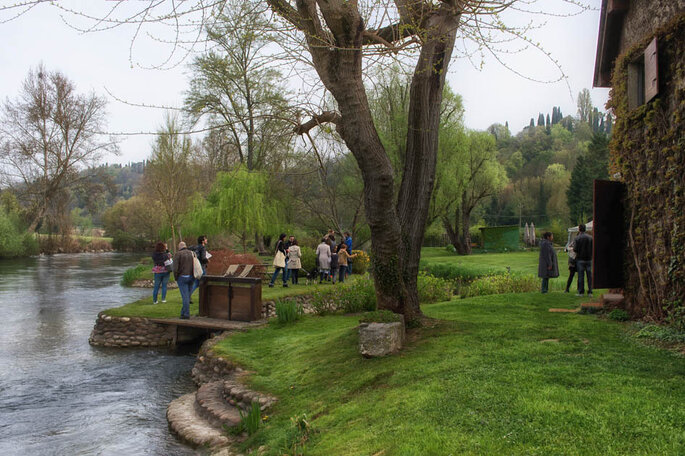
(58, 395)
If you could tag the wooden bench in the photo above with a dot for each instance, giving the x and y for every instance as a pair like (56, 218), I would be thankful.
(245, 270)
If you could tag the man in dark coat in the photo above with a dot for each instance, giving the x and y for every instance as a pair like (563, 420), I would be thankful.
(547, 266)
(583, 248)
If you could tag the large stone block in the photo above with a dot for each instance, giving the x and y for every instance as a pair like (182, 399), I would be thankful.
(380, 339)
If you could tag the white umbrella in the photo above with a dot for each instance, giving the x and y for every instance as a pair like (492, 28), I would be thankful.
(533, 237)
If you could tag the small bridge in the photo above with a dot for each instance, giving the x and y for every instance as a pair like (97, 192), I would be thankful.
(188, 330)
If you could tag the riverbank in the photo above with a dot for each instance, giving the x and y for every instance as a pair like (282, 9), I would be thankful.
(483, 368)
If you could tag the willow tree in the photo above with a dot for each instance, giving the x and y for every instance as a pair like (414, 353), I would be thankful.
(237, 203)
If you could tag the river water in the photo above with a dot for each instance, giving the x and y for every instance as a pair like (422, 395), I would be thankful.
(59, 395)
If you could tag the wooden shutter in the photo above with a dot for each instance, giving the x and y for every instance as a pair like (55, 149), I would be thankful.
(651, 71)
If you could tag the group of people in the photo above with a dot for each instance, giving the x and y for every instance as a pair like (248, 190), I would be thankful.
(182, 265)
(579, 260)
(333, 260)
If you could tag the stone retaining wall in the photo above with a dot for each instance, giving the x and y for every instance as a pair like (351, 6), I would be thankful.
(129, 332)
(269, 307)
(147, 283)
(210, 367)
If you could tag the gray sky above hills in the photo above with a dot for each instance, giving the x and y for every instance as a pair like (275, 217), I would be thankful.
(100, 62)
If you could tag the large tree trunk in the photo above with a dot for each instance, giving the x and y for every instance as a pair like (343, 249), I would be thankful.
(259, 244)
(465, 231)
(37, 219)
(397, 228)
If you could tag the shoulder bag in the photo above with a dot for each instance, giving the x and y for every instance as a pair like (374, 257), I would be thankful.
(197, 268)
(279, 259)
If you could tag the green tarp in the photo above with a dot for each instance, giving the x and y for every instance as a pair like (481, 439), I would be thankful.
(500, 237)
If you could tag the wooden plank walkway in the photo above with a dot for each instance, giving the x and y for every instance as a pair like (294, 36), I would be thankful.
(214, 324)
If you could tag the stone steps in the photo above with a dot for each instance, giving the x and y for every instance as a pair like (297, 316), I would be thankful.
(236, 394)
(189, 426)
(211, 405)
(202, 418)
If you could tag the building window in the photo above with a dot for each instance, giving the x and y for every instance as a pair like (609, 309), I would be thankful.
(643, 77)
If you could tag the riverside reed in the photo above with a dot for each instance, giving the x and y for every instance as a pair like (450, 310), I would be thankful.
(288, 311)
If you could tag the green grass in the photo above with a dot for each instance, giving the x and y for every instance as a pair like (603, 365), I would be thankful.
(133, 274)
(524, 262)
(172, 308)
(496, 375)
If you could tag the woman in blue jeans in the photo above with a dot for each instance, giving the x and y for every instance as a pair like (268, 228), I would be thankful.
(280, 247)
(159, 256)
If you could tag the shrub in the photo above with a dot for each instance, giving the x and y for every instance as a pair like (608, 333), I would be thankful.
(133, 274)
(676, 316)
(223, 258)
(357, 295)
(360, 264)
(379, 316)
(288, 311)
(661, 333)
(433, 289)
(308, 258)
(324, 301)
(30, 244)
(619, 315)
(99, 244)
(11, 237)
(128, 243)
(501, 283)
(559, 230)
(456, 271)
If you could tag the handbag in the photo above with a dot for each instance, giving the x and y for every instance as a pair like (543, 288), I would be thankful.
(279, 259)
(197, 268)
(169, 264)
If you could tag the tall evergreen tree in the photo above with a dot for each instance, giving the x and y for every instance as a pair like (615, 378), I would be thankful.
(548, 123)
(541, 120)
(594, 120)
(594, 164)
(608, 124)
(532, 122)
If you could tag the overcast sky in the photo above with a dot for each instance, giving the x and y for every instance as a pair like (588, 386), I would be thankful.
(100, 62)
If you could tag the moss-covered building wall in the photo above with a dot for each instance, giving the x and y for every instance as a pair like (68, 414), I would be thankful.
(647, 149)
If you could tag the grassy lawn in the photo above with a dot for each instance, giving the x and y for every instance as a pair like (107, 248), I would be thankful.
(523, 262)
(172, 308)
(495, 375)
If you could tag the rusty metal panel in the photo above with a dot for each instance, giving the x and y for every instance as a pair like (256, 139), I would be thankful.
(231, 298)
(651, 71)
(617, 6)
(609, 233)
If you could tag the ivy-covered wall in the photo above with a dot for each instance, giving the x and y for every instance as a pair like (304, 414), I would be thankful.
(648, 149)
